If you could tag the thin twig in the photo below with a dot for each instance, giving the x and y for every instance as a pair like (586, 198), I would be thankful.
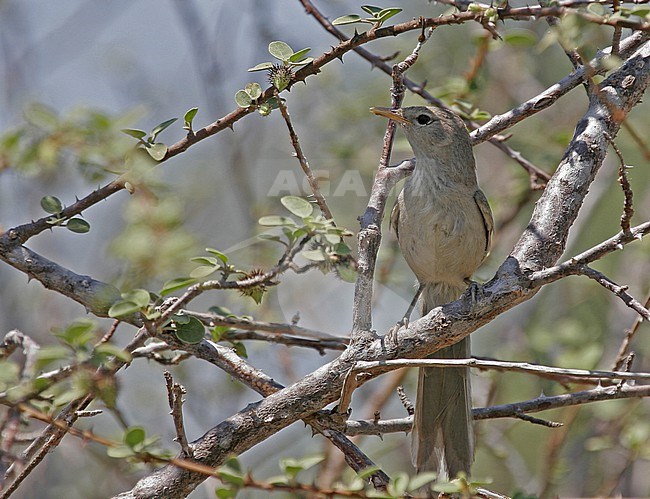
(628, 209)
(534, 420)
(629, 335)
(304, 164)
(539, 404)
(620, 291)
(175, 393)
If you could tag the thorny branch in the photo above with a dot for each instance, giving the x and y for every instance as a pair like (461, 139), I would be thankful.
(363, 371)
(539, 404)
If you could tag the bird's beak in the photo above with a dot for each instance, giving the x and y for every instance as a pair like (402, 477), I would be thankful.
(391, 114)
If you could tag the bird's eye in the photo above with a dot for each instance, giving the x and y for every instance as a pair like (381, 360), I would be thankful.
(424, 119)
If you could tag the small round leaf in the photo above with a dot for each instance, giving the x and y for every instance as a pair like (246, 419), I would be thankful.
(298, 206)
(51, 204)
(78, 225)
(280, 50)
(157, 151)
(192, 332)
(316, 255)
(243, 99)
(253, 90)
(134, 436)
(140, 297)
(123, 308)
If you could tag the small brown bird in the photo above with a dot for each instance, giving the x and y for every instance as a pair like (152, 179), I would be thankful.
(444, 226)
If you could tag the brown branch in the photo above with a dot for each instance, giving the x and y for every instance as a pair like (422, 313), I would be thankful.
(363, 371)
(628, 210)
(620, 291)
(175, 392)
(513, 410)
(629, 335)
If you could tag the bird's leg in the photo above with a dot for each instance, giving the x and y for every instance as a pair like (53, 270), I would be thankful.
(473, 288)
(404, 322)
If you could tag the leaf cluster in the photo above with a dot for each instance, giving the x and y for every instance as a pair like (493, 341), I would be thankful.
(53, 205)
(378, 16)
(327, 249)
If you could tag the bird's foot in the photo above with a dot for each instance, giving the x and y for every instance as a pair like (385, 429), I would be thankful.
(391, 336)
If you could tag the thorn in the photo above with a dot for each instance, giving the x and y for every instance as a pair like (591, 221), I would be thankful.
(619, 246)
(638, 236)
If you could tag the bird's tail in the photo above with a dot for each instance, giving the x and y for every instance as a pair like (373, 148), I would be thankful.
(443, 436)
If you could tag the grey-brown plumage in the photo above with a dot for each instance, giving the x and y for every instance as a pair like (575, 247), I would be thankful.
(444, 227)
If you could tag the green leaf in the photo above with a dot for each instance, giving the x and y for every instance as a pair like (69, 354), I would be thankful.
(176, 284)
(221, 256)
(253, 90)
(51, 353)
(51, 204)
(386, 14)
(133, 436)
(42, 116)
(123, 308)
(120, 452)
(78, 333)
(157, 151)
(271, 237)
(189, 116)
(317, 255)
(226, 492)
(240, 349)
(367, 472)
(298, 206)
(519, 37)
(302, 62)
(78, 225)
(114, 350)
(181, 318)
(203, 271)
(346, 273)
(342, 249)
(276, 220)
(298, 56)
(349, 19)
(421, 479)
(261, 66)
(243, 99)
(641, 11)
(140, 297)
(280, 50)
(134, 132)
(480, 115)
(205, 260)
(192, 332)
(159, 128)
(371, 9)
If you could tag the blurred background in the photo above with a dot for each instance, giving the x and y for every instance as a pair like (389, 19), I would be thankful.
(74, 73)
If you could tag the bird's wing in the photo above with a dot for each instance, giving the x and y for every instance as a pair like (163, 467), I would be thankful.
(394, 218)
(488, 220)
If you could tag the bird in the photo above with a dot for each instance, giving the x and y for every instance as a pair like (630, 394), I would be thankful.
(444, 228)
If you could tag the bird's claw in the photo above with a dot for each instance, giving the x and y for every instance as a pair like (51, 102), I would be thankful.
(391, 336)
